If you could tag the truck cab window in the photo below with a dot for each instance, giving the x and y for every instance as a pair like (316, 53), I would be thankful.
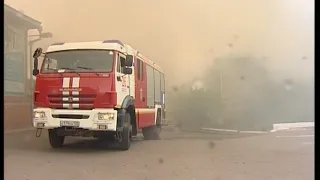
(79, 61)
(140, 69)
(119, 68)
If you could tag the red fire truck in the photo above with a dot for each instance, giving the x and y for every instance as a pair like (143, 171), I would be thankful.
(102, 89)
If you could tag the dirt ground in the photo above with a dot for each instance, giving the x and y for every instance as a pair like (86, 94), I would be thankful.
(178, 156)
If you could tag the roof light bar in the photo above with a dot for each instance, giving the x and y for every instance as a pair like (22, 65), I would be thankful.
(113, 41)
(56, 44)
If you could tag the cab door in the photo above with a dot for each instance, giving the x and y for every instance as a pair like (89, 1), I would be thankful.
(141, 85)
(121, 80)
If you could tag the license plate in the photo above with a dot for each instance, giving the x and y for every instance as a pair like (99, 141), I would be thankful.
(70, 123)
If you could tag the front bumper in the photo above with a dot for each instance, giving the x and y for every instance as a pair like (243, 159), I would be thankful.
(50, 119)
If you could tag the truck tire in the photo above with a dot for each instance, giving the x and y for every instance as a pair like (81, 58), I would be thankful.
(125, 140)
(55, 140)
(153, 132)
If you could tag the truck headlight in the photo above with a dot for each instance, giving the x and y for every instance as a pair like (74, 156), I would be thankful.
(106, 116)
(39, 114)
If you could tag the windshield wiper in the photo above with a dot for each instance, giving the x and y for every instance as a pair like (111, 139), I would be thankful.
(70, 69)
(55, 70)
(80, 67)
(87, 68)
(51, 69)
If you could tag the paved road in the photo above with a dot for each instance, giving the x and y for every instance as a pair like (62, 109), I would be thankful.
(179, 156)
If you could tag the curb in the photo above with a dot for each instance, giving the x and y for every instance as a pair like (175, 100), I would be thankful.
(234, 131)
(292, 126)
(276, 127)
(221, 130)
(254, 132)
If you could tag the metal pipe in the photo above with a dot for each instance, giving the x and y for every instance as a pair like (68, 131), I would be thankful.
(221, 84)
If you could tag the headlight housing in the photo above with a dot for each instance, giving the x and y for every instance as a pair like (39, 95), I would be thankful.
(39, 114)
(106, 116)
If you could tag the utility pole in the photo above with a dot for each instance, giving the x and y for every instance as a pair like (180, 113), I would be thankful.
(221, 84)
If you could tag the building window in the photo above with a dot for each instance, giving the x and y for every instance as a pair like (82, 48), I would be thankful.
(13, 41)
(14, 56)
(119, 68)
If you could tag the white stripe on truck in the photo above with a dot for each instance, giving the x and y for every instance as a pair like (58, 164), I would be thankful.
(65, 84)
(75, 84)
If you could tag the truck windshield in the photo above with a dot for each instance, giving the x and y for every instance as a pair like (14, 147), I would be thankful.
(78, 61)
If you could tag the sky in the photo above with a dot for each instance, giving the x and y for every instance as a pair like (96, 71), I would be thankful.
(184, 36)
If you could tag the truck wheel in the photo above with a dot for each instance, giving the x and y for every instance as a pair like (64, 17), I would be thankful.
(153, 132)
(55, 140)
(125, 140)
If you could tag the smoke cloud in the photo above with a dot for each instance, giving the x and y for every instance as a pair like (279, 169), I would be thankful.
(183, 36)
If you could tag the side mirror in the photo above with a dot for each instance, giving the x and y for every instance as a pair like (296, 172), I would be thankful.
(37, 53)
(35, 72)
(122, 62)
(127, 71)
(35, 67)
(129, 61)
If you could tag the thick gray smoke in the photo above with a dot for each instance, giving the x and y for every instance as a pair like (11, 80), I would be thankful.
(238, 92)
(183, 37)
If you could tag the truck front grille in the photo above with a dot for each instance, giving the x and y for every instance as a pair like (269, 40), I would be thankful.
(70, 116)
(82, 101)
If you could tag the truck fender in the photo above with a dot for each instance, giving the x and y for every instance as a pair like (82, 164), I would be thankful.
(120, 118)
(128, 100)
(128, 105)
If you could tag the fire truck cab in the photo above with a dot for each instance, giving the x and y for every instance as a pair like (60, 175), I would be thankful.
(103, 89)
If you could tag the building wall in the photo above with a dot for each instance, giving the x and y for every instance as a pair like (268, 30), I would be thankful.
(17, 103)
(14, 60)
(17, 112)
